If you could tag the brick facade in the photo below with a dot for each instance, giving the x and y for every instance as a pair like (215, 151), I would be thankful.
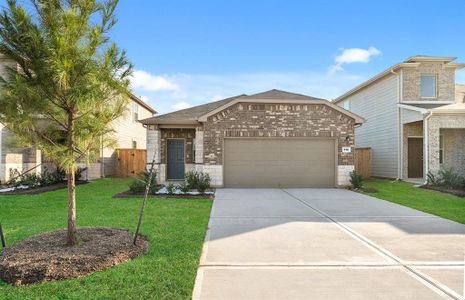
(445, 81)
(174, 133)
(277, 120)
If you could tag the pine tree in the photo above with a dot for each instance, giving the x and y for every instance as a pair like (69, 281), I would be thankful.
(67, 81)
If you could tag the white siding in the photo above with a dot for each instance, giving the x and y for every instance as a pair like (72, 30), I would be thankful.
(408, 116)
(378, 105)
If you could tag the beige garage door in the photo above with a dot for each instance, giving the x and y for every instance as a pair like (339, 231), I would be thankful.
(279, 162)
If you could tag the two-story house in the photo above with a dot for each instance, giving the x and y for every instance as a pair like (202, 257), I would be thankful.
(128, 133)
(415, 118)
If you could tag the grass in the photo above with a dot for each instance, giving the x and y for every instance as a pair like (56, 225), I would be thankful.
(175, 229)
(440, 204)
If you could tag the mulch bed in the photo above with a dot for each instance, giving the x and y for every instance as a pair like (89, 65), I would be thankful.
(46, 257)
(128, 194)
(42, 189)
(456, 192)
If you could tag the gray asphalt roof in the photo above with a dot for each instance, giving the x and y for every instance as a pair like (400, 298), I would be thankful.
(193, 113)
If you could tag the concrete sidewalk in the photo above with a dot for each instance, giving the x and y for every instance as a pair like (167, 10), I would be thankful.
(327, 244)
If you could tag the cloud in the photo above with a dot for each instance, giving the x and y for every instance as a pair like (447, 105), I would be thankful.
(353, 55)
(148, 82)
(181, 105)
(196, 89)
(145, 98)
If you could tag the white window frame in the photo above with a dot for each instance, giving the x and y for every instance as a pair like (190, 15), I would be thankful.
(435, 86)
(135, 112)
(441, 149)
(346, 105)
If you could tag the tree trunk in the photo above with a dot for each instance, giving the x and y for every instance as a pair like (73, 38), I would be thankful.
(72, 239)
(71, 208)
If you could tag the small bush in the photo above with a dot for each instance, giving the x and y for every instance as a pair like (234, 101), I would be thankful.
(356, 180)
(183, 187)
(139, 184)
(204, 182)
(450, 179)
(192, 179)
(433, 179)
(170, 189)
(198, 180)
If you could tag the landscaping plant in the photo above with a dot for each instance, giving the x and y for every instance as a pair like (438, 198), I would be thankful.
(447, 178)
(198, 180)
(170, 188)
(203, 182)
(66, 82)
(356, 180)
(139, 184)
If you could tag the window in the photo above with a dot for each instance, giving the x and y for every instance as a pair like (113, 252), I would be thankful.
(441, 149)
(134, 144)
(346, 105)
(135, 112)
(428, 86)
(193, 150)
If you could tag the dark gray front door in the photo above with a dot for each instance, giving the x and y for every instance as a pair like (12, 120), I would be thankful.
(175, 156)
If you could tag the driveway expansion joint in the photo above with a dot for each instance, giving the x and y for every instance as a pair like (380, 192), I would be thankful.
(426, 280)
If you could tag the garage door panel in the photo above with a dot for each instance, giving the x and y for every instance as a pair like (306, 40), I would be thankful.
(279, 162)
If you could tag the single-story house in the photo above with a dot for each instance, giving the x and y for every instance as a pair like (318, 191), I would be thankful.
(269, 139)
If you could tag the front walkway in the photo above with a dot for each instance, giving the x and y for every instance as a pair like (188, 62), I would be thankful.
(326, 244)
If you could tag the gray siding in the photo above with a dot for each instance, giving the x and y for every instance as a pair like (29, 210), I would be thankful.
(409, 116)
(377, 104)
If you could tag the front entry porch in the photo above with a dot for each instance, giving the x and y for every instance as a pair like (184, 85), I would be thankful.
(443, 146)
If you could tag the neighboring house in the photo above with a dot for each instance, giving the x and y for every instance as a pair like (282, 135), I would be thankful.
(412, 112)
(129, 133)
(270, 139)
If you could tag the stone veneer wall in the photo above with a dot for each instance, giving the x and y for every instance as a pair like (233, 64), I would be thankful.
(414, 129)
(435, 124)
(445, 81)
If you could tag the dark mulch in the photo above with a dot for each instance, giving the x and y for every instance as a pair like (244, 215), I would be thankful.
(42, 189)
(128, 194)
(456, 192)
(46, 257)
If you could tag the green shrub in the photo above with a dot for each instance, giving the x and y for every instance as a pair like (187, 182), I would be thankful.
(356, 180)
(183, 187)
(198, 180)
(192, 179)
(170, 189)
(203, 182)
(139, 184)
(447, 178)
(433, 179)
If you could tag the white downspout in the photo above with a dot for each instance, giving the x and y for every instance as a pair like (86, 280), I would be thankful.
(399, 126)
(426, 143)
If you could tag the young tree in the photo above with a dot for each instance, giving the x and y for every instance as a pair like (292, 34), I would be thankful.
(67, 82)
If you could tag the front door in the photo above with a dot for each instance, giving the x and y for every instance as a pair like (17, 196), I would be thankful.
(415, 157)
(175, 158)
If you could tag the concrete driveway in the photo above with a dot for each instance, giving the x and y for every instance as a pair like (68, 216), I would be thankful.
(327, 244)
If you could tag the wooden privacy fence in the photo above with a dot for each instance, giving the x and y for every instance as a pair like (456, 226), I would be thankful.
(131, 162)
(363, 162)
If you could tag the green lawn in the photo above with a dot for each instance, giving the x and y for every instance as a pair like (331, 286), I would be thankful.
(175, 229)
(436, 203)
